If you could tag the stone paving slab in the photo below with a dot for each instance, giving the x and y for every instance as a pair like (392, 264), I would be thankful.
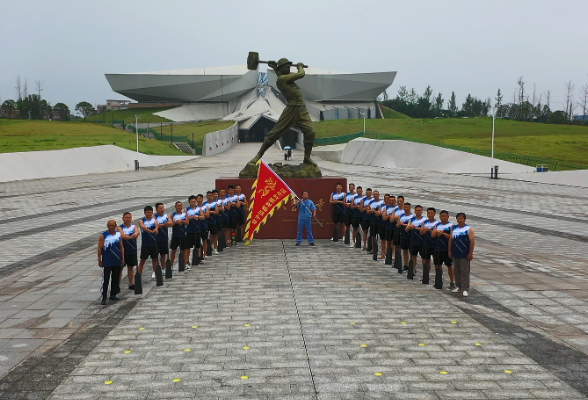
(529, 280)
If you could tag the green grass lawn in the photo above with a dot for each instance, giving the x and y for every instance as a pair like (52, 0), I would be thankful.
(25, 135)
(129, 115)
(562, 143)
(389, 113)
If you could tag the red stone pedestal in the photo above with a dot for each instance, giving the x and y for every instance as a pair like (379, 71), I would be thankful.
(283, 224)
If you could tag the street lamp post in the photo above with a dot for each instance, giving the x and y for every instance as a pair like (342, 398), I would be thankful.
(492, 151)
(363, 115)
(137, 134)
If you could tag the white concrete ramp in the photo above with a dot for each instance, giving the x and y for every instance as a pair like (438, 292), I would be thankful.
(404, 154)
(78, 161)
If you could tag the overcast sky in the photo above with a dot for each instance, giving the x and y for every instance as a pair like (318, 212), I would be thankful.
(468, 46)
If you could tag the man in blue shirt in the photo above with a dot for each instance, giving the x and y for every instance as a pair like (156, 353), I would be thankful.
(306, 211)
(461, 249)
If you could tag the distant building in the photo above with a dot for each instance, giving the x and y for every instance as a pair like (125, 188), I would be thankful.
(114, 105)
(581, 118)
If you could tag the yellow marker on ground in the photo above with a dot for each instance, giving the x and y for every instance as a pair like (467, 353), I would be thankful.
(352, 323)
(141, 329)
(443, 372)
(508, 371)
(127, 351)
(177, 380)
(187, 350)
(478, 344)
(246, 347)
(378, 374)
(107, 382)
(404, 322)
(422, 344)
(247, 325)
(364, 345)
(454, 322)
(244, 377)
(194, 326)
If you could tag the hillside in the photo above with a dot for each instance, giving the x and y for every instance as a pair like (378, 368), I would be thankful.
(563, 143)
(128, 115)
(26, 135)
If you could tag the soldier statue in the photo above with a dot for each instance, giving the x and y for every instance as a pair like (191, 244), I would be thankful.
(295, 112)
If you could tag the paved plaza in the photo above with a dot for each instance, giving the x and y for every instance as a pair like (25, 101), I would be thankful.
(274, 321)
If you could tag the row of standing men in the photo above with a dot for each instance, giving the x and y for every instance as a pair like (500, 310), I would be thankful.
(203, 227)
(390, 225)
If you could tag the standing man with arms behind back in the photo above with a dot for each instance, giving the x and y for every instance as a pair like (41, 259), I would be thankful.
(461, 249)
(110, 259)
(338, 202)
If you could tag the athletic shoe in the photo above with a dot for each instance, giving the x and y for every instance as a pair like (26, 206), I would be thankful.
(363, 249)
(215, 252)
(103, 302)
(188, 268)
(465, 293)
(405, 268)
(153, 275)
(456, 290)
(118, 292)
(113, 298)
(451, 285)
(352, 245)
(297, 244)
(312, 244)
(131, 287)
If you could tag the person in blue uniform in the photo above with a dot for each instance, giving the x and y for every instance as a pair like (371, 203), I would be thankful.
(356, 208)
(375, 217)
(461, 249)
(179, 220)
(416, 239)
(110, 258)
(338, 201)
(130, 233)
(306, 211)
(399, 212)
(149, 231)
(243, 205)
(162, 237)
(213, 211)
(387, 222)
(429, 242)
(349, 197)
(442, 234)
(401, 224)
(193, 235)
(203, 224)
(365, 217)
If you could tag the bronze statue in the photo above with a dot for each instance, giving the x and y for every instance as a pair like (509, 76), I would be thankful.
(295, 112)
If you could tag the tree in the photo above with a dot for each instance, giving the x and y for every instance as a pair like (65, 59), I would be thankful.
(438, 106)
(498, 99)
(63, 111)
(8, 107)
(558, 117)
(85, 108)
(451, 106)
(584, 101)
(570, 105)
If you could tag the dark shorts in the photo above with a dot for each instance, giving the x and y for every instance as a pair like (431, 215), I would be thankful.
(355, 221)
(182, 243)
(204, 235)
(405, 244)
(339, 218)
(348, 219)
(148, 251)
(233, 222)
(428, 252)
(212, 229)
(382, 232)
(241, 218)
(387, 234)
(396, 238)
(193, 240)
(442, 257)
(374, 230)
(365, 224)
(163, 248)
(416, 250)
(130, 260)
